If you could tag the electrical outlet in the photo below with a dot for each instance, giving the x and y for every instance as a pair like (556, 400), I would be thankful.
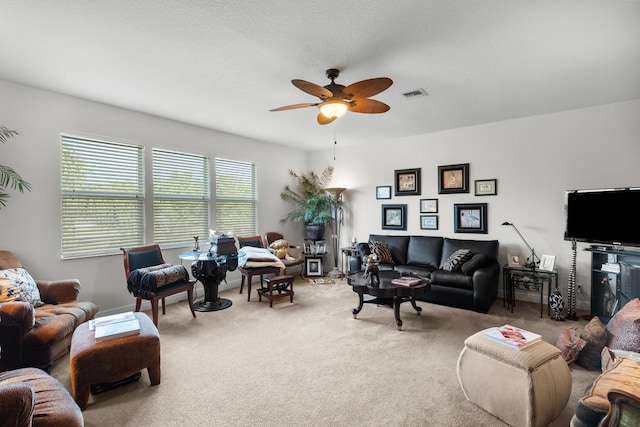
(579, 288)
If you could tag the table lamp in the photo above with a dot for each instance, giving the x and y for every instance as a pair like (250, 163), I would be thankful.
(532, 260)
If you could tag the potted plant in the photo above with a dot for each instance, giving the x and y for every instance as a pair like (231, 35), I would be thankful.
(8, 176)
(312, 204)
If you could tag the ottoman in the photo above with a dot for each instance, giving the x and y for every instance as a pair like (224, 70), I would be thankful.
(527, 387)
(113, 360)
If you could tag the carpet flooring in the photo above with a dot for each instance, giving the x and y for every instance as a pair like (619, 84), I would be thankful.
(310, 363)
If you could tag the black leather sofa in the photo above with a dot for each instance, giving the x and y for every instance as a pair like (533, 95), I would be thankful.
(473, 287)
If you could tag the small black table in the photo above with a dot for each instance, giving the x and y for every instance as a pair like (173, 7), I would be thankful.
(386, 293)
(210, 271)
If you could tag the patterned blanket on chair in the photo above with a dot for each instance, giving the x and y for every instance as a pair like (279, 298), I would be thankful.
(149, 279)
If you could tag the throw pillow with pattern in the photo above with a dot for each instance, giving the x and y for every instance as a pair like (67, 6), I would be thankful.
(456, 259)
(16, 284)
(381, 251)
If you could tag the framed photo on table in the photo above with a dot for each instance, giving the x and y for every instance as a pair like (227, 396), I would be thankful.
(515, 260)
(383, 192)
(407, 182)
(313, 267)
(453, 178)
(394, 217)
(547, 262)
(470, 218)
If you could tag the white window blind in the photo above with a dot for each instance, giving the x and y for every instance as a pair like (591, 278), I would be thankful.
(181, 196)
(102, 196)
(236, 198)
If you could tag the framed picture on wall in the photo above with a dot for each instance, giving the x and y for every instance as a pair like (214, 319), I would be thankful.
(407, 182)
(486, 187)
(428, 205)
(470, 218)
(428, 222)
(453, 178)
(383, 192)
(394, 217)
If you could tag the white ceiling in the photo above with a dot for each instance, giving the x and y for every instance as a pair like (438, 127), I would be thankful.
(224, 64)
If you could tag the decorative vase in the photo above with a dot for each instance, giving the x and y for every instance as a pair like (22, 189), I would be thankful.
(556, 303)
(315, 232)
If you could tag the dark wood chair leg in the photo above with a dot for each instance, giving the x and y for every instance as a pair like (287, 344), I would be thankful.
(190, 298)
(241, 283)
(163, 310)
(138, 303)
(249, 280)
(154, 310)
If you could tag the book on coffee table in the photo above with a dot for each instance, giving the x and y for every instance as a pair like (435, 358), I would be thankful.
(406, 281)
(512, 336)
(117, 330)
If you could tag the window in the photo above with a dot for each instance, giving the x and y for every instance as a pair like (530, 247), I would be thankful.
(102, 196)
(236, 198)
(181, 196)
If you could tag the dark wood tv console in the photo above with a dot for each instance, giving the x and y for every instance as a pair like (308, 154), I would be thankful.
(615, 279)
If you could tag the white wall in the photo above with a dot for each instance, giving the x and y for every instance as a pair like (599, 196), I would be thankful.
(30, 224)
(534, 159)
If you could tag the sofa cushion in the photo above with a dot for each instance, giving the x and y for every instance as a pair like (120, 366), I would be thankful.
(623, 330)
(16, 284)
(452, 279)
(595, 335)
(381, 251)
(424, 251)
(398, 246)
(488, 248)
(476, 261)
(456, 259)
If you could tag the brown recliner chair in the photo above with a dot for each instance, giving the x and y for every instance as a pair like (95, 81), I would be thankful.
(30, 396)
(296, 260)
(38, 336)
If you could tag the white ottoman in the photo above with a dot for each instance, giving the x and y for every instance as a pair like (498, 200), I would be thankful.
(528, 387)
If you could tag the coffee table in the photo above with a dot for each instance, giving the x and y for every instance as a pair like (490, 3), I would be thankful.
(386, 293)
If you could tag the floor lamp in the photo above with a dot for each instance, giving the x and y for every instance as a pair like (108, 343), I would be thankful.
(335, 237)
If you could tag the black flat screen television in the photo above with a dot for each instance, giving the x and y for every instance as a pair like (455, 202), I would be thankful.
(607, 216)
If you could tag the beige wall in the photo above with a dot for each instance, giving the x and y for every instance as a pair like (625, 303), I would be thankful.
(535, 160)
(30, 224)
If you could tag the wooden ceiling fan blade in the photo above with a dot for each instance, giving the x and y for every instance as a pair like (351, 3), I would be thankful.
(368, 106)
(324, 120)
(367, 88)
(294, 106)
(312, 89)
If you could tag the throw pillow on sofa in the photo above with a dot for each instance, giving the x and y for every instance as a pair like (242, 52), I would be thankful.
(381, 251)
(623, 330)
(457, 259)
(16, 284)
(476, 261)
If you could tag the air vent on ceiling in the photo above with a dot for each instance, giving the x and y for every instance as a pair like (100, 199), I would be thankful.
(416, 93)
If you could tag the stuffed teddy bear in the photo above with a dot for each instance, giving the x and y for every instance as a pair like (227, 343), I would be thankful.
(280, 248)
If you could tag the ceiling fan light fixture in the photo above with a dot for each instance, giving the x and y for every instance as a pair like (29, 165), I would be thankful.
(335, 108)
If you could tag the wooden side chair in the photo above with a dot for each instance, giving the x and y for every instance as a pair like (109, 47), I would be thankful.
(296, 253)
(148, 256)
(248, 273)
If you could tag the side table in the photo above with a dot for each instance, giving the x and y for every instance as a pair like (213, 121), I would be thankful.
(529, 279)
(347, 253)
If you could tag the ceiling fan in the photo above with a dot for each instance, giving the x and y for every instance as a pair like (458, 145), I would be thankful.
(336, 99)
